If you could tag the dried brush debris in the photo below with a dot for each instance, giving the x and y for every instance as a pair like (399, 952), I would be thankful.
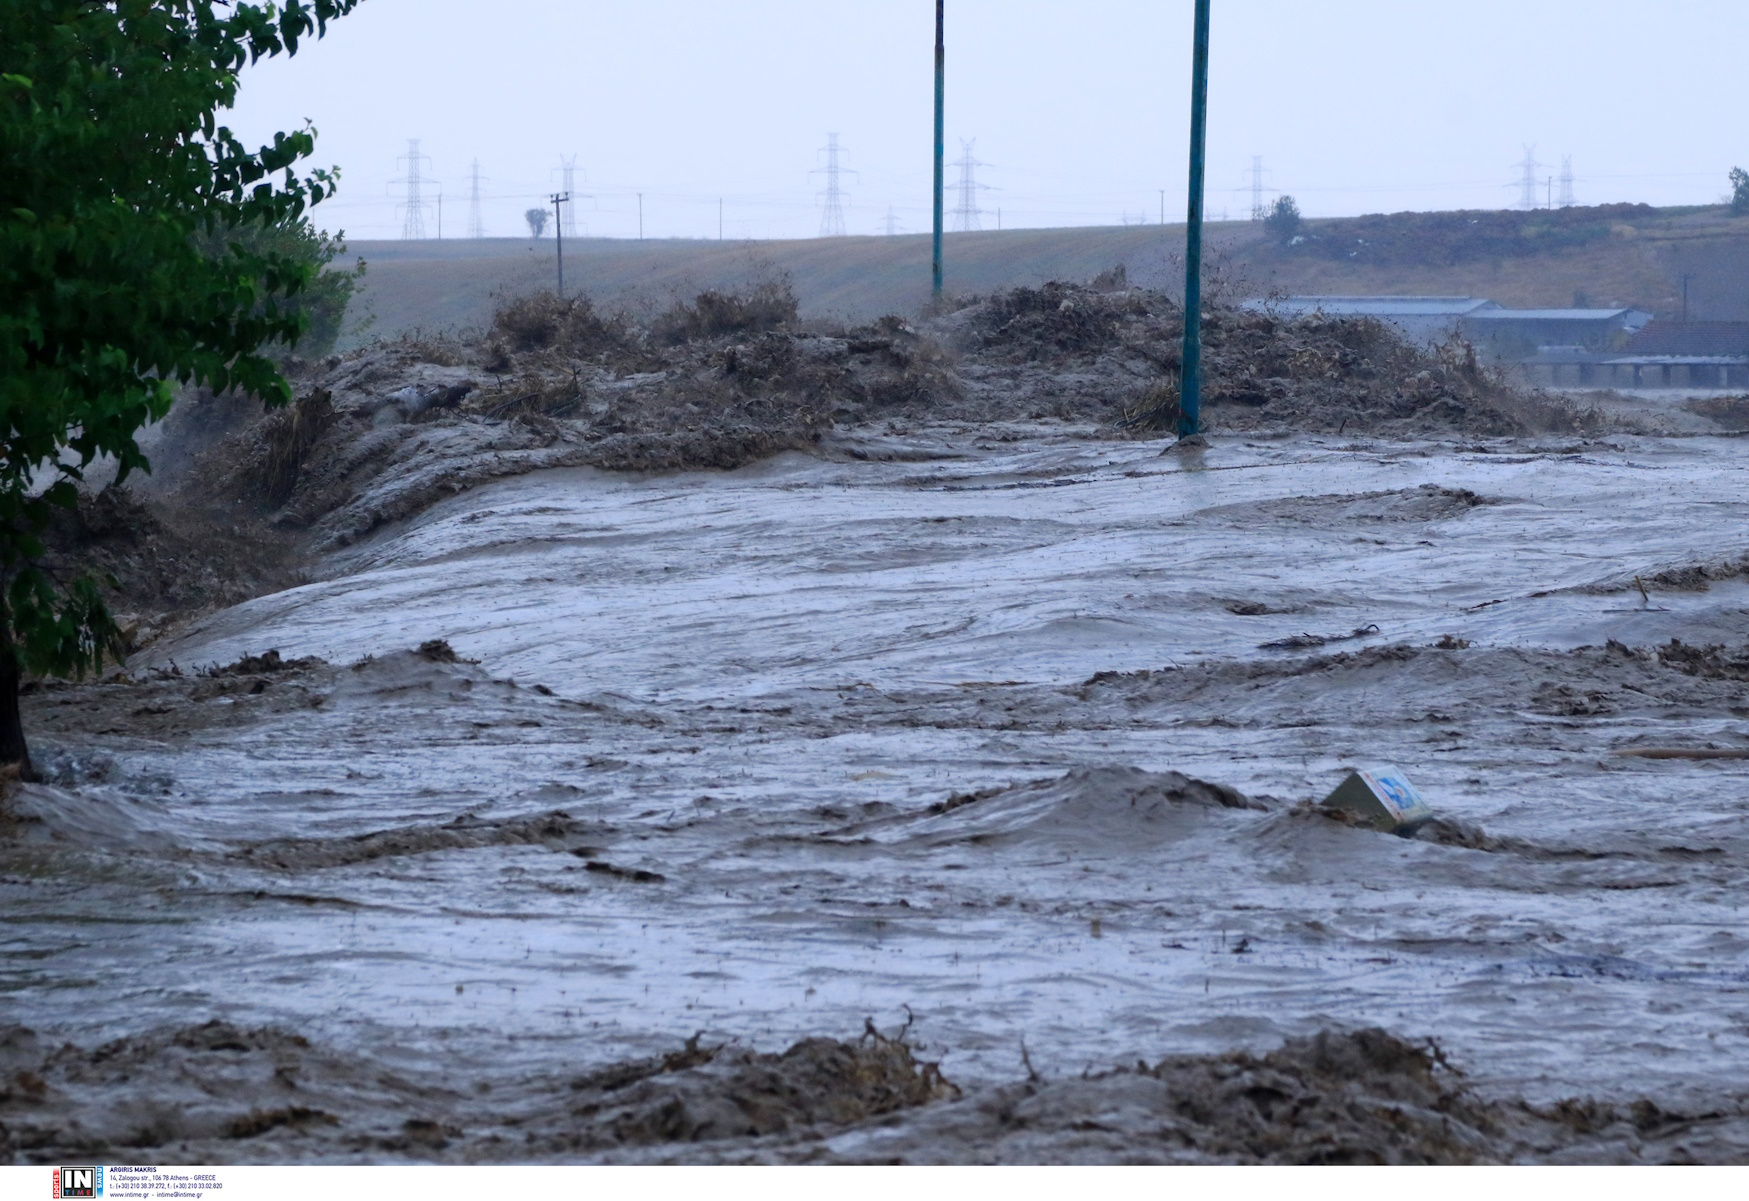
(768, 305)
(288, 436)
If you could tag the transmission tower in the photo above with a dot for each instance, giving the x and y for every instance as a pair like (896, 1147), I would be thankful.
(1567, 200)
(833, 198)
(1527, 179)
(967, 212)
(1257, 210)
(892, 222)
(413, 222)
(476, 226)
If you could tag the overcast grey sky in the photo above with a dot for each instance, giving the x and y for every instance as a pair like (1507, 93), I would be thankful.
(1079, 109)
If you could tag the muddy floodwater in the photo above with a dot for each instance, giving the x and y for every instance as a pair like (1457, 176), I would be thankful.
(1007, 734)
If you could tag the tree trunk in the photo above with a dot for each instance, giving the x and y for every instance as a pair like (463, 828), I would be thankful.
(13, 749)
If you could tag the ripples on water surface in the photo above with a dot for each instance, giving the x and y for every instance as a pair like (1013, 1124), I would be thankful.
(757, 685)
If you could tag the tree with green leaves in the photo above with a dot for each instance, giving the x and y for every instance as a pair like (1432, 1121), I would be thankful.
(323, 300)
(117, 171)
(1739, 192)
(1283, 221)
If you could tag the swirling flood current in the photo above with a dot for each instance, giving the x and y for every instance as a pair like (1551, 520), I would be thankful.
(823, 740)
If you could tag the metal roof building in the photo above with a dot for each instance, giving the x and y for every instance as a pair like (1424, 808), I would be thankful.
(1521, 333)
(1380, 306)
(1709, 354)
(1661, 354)
(1429, 319)
(1692, 339)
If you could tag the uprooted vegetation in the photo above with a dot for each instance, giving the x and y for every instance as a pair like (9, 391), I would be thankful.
(1263, 370)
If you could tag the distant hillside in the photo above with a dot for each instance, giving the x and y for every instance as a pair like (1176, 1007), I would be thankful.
(1605, 256)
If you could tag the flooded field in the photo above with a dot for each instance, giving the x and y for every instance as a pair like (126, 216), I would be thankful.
(1003, 737)
(1004, 740)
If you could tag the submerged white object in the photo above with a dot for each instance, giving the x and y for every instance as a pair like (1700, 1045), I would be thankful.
(1384, 796)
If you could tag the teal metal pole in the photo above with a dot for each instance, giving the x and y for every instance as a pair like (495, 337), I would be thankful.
(1190, 387)
(940, 140)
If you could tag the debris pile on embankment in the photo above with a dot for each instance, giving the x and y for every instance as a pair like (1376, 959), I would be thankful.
(724, 380)
(718, 382)
(1263, 371)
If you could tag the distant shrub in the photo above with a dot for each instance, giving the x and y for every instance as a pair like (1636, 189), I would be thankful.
(1283, 222)
(322, 301)
(769, 305)
(1739, 192)
(537, 221)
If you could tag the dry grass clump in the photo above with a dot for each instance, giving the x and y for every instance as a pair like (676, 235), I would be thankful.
(707, 1094)
(1058, 319)
(769, 305)
(544, 320)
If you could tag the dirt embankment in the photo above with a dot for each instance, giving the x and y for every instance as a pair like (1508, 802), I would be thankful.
(715, 383)
(163, 563)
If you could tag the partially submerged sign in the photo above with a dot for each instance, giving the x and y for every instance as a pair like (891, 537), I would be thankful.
(1384, 797)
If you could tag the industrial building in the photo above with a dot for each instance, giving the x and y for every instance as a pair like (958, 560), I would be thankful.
(1423, 320)
(1674, 354)
(1612, 348)
(1521, 335)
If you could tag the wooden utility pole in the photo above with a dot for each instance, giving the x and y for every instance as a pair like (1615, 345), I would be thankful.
(559, 199)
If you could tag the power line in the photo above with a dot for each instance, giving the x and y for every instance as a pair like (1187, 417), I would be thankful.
(1257, 211)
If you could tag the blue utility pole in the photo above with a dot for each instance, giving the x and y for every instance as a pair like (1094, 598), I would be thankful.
(1190, 386)
(940, 96)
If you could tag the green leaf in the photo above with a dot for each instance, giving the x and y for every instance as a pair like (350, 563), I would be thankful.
(119, 183)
